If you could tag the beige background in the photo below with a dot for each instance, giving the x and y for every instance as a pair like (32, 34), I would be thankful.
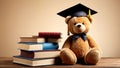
(28, 17)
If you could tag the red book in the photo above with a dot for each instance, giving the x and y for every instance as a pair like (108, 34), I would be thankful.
(40, 54)
(50, 34)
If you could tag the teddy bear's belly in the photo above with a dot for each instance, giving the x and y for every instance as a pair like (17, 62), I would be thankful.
(80, 47)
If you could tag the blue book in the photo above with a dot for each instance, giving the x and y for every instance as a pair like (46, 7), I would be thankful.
(31, 46)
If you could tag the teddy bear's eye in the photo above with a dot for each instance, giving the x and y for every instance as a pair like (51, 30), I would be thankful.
(83, 23)
(74, 23)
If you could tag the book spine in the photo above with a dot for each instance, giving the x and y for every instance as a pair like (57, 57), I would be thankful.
(49, 34)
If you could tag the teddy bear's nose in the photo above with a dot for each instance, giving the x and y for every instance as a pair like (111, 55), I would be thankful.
(78, 26)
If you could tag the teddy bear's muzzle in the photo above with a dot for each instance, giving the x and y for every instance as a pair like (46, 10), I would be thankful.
(80, 27)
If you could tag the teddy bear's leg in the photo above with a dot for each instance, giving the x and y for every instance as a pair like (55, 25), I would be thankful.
(92, 57)
(67, 56)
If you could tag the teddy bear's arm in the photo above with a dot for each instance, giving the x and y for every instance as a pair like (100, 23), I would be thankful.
(68, 42)
(92, 43)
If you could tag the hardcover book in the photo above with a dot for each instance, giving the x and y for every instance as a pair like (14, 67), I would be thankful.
(39, 40)
(36, 62)
(31, 39)
(40, 54)
(30, 46)
(50, 34)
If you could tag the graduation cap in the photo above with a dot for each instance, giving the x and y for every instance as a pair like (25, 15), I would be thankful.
(77, 10)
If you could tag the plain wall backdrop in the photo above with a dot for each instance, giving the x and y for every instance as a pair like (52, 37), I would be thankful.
(19, 18)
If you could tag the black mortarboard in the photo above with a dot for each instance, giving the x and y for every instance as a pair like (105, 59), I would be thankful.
(77, 10)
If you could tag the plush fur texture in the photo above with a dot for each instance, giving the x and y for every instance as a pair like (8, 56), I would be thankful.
(77, 50)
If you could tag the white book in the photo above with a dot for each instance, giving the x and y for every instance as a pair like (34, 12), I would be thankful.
(34, 62)
(30, 46)
(39, 40)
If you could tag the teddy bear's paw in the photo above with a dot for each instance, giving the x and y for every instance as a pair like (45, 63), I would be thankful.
(92, 57)
(67, 56)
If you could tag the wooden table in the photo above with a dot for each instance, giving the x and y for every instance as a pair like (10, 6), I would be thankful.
(104, 62)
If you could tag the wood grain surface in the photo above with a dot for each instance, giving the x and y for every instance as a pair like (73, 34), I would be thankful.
(105, 62)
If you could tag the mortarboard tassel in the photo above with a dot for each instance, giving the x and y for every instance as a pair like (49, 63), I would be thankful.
(90, 16)
(89, 13)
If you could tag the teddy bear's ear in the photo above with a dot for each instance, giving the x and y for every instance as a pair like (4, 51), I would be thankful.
(67, 19)
(90, 16)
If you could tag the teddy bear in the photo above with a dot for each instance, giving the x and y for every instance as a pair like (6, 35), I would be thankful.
(79, 47)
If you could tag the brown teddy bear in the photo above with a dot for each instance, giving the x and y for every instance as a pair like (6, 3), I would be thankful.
(79, 47)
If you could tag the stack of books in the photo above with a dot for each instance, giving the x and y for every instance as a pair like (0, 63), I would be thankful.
(39, 50)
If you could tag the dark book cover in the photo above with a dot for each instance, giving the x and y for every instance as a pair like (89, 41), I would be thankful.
(50, 34)
(40, 53)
